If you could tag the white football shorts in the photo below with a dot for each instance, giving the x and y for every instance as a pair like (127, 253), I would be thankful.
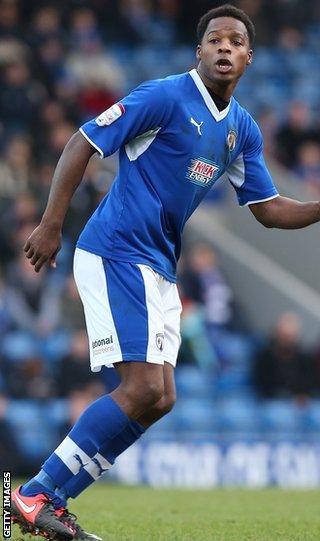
(132, 313)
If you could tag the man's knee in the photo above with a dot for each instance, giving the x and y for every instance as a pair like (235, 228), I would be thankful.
(141, 396)
(150, 392)
(165, 404)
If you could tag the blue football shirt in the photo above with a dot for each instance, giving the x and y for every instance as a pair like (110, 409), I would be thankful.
(173, 146)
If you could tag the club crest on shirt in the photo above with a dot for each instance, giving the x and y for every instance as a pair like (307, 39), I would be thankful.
(110, 115)
(202, 171)
(231, 140)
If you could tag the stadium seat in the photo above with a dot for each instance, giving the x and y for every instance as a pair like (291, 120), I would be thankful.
(164, 428)
(56, 412)
(36, 436)
(238, 414)
(24, 416)
(278, 416)
(18, 345)
(195, 415)
(310, 418)
(191, 382)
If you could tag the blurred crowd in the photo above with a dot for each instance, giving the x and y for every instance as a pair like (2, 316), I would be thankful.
(62, 63)
(217, 337)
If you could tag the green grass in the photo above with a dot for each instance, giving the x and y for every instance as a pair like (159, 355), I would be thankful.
(118, 513)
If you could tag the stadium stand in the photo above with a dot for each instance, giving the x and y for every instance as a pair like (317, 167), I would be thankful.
(63, 63)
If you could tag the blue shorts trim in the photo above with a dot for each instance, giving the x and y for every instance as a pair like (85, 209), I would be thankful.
(127, 297)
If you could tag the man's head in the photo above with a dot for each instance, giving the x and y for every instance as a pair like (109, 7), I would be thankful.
(225, 38)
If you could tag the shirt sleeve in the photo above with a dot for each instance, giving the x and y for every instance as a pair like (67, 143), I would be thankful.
(249, 175)
(145, 108)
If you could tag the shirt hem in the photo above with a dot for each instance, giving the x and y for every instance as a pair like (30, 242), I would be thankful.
(135, 260)
(259, 200)
(92, 143)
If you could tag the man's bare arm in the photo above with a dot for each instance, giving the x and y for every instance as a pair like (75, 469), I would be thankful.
(284, 213)
(44, 243)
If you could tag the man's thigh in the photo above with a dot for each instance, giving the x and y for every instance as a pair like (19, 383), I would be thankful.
(123, 310)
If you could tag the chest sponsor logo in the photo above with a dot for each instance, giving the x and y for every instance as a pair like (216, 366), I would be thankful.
(110, 115)
(202, 171)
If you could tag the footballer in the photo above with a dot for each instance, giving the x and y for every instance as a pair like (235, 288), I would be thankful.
(176, 137)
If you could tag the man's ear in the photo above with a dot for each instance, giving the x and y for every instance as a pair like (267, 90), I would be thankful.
(250, 57)
(198, 53)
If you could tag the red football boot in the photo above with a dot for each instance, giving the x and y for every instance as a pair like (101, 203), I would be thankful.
(35, 515)
(70, 520)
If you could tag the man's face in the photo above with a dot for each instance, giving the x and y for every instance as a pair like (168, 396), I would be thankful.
(224, 51)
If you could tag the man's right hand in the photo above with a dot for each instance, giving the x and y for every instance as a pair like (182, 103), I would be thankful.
(43, 245)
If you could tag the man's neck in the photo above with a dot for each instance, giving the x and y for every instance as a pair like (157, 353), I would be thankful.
(224, 92)
(221, 104)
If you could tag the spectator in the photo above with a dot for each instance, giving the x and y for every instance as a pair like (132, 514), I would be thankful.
(137, 20)
(20, 97)
(71, 310)
(282, 367)
(268, 124)
(208, 305)
(73, 381)
(88, 61)
(5, 318)
(11, 458)
(10, 18)
(316, 382)
(27, 377)
(76, 364)
(33, 299)
(17, 167)
(308, 165)
(213, 290)
(88, 195)
(51, 63)
(290, 39)
(294, 132)
(46, 24)
(16, 217)
(58, 136)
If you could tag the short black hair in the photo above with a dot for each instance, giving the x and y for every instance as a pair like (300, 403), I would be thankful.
(227, 10)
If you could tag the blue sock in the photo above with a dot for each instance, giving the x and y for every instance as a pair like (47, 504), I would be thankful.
(101, 421)
(33, 487)
(42, 478)
(104, 459)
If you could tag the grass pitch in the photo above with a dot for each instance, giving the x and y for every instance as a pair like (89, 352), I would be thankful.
(118, 513)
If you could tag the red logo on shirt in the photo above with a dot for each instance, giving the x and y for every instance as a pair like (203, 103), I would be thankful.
(202, 171)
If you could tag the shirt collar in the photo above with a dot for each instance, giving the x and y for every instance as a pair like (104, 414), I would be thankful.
(218, 115)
